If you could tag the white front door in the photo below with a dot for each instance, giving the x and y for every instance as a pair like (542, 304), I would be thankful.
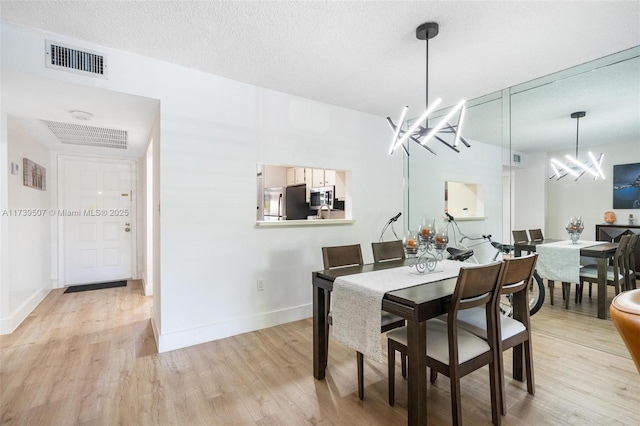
(97, 220)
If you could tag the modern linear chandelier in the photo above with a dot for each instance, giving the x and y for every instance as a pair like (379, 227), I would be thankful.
(577, 168)
(422, 134)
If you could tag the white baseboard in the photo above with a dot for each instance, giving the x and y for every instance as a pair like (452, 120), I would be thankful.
(9, 324)
(154, 327)
(182, 339)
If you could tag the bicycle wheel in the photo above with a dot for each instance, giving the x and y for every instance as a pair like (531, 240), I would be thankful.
(536, 298)
(506, 304)
(536, 294)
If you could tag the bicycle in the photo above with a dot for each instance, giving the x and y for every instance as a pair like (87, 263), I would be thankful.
(466, 253)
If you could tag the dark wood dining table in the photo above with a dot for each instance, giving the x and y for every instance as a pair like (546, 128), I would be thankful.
(601, 252)
(415, 304)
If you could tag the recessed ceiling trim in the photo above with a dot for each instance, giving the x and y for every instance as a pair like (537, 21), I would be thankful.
(77, 134)
(73, 59)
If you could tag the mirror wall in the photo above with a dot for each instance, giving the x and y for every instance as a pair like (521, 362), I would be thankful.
(515, 132)
(479, 166)
(608, 91)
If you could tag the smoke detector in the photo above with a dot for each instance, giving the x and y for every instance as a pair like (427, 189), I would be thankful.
(81, 115)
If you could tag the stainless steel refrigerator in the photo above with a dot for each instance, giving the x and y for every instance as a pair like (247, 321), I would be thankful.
(275, 207)
(285, 203)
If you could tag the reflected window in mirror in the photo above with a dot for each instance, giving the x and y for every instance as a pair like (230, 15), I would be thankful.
(464, 200)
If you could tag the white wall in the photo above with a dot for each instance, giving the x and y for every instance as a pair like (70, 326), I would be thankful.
(27, 261)
(212, 132)
(530, 194)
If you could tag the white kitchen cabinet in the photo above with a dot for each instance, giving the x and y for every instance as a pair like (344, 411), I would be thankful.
(339, 182)
(296, 175)
(317, 178)
(291, 176)
(329, 177)
(323, 177)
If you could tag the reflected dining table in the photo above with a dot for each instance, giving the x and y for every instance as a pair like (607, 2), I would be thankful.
(602, 251)
(416, 304)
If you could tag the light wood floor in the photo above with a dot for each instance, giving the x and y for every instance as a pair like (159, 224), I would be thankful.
(89, 358)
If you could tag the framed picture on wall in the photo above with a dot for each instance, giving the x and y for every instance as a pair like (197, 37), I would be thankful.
(34, 175)
(626, 186)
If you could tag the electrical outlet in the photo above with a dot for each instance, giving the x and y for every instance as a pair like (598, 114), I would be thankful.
(260, 284)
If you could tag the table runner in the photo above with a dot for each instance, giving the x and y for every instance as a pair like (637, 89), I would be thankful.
(560, 261)
(357, 301)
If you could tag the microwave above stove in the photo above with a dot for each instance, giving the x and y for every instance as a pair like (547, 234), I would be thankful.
(322, 196)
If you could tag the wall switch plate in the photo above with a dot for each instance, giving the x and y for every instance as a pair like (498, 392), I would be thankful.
(260, 284)
(15, 168)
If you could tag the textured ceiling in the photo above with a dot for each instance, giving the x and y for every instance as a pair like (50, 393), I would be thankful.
(357, 54)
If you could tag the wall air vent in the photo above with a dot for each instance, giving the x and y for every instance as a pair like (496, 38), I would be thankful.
(76, 134)
(66, 58)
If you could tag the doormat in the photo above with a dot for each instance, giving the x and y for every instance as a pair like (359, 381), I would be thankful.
(97, 286)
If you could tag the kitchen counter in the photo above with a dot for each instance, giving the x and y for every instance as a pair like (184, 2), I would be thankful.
(308, 222)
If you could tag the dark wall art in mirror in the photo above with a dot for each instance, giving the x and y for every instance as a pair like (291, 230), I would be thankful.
(626, 186)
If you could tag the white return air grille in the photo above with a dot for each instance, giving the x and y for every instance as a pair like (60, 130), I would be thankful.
(76, 134)
(72, 59)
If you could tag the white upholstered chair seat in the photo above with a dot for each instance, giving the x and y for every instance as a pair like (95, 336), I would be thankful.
(591, 271)
(475, 321)
(469, 345)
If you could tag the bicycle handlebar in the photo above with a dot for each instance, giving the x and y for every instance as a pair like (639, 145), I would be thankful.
(484, 237)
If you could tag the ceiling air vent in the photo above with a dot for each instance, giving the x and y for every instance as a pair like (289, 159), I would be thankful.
(76, 134)
(72, 59)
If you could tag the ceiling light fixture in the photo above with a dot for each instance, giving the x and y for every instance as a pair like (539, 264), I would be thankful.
(423, 134)
(578, 168)
(81, 115)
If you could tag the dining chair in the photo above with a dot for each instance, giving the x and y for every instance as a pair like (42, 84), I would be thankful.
(456, 352)
(535, 235)
(520, 236)
(350, 255)
(615, 271)
(517, 276)
(630, 263)
(387, 250)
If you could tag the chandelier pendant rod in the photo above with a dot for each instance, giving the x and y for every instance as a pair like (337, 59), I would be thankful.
(422, 134)
(577, 132)
(426, 79)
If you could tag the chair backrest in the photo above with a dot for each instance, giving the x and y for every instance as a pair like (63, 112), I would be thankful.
(387, 250)
(630, 253)
(520, 236)
(517, 274)
(631, 248)
(339, 256)
(619, 256)
(536, 234)
(476, 286)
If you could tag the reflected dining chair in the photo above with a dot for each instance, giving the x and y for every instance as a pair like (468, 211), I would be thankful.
(615, 271)
(517, 275)
(350, 255)
(387, 250)
(456, 352)
(630, 263)
(536, 235)
(520, 236)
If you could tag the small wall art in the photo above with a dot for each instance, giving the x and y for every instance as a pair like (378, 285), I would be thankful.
(34, 175)
(626, 186)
